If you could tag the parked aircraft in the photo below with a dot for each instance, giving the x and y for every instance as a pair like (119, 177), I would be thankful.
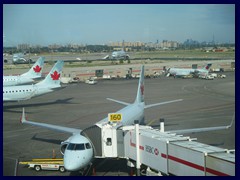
(24, 92)
(185, 72)
(28, 77)
(19, 58)
(77, 149)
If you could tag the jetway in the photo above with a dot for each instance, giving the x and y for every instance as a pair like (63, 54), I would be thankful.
(160, 152)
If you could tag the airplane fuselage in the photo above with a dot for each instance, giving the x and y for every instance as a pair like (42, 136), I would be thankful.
(119, 54)
(78, 153)
(130, 113)
(75, 160)
(18, 93)
(184, 72)
(16, 80)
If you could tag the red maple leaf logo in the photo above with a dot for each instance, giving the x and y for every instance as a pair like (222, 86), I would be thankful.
(142, 88)
(37, 69)
(55, 75)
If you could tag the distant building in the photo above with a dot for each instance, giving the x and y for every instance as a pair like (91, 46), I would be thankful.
(23, 46)
(165, 44)
(126, 44)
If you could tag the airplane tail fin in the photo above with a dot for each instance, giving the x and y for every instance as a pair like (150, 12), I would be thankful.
(140, 94)
(36, 69)
(207, 67)
(140, 91)
(53, 78)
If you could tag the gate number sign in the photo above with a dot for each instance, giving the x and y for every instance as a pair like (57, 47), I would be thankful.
(114, 117)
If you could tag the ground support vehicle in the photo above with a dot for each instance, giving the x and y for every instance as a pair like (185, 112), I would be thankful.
(45, 164)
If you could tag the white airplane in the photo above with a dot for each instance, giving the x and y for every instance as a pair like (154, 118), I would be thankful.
(28, 77)
(120, 55)
(24, 92)
(77, 149)
(19, 58)
(185, 72)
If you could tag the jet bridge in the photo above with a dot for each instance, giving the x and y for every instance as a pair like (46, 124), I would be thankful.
(161, 152)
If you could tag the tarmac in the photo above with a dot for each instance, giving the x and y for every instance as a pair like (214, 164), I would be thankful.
(206, 103)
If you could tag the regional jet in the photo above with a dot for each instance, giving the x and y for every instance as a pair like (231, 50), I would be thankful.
(19, 58)
(184, 72)
(34, 73)
(24, 92)
(77, 149)
(120, 55)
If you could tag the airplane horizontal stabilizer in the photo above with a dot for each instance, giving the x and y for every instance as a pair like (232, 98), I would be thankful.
(120, 102)
(162, 103)
(49, 126)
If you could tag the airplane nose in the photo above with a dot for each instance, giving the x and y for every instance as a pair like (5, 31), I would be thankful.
(72, 163)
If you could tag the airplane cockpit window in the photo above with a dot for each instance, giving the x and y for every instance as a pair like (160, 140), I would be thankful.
(75, 147)
(88, 146)
(79, 147)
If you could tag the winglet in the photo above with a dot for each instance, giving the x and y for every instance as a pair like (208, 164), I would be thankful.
(230, 125)
(23, 118)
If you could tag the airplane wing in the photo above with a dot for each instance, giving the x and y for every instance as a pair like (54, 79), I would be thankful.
(49, 126)
(162, 103)
(197, 130)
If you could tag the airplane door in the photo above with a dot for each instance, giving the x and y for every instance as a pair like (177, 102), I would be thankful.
(109, 142)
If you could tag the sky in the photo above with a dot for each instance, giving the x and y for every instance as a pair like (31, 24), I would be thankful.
(45, 24)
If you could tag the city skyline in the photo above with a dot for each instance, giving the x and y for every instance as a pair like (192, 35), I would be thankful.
(104, 23)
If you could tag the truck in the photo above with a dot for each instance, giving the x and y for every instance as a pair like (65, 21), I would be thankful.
(45, 164)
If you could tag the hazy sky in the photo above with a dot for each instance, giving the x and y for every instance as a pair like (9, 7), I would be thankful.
(100, 24)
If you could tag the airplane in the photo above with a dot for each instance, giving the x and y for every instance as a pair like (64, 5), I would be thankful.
(28, 77)
(117, 55)
(179, 72)
(24, 92)
(18, 58)
(77, 149)
(120, 55)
